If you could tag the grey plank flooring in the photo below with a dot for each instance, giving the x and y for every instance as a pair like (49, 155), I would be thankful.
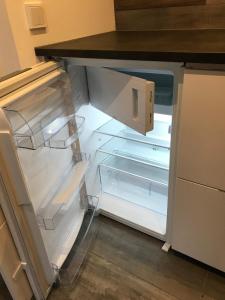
(124, 264)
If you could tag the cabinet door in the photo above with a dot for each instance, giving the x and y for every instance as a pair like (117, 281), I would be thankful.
(199, 223)
(2, 217)
(126, 98)
(201, 152)
(10, 267)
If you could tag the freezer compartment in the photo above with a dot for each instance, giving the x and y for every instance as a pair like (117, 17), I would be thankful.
(139, 152)
(59, 242)
(159, 136)
(144, 185)
(54, 209)
(164, 82)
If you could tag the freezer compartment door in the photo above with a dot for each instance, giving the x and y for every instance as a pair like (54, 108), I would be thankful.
(126, 98)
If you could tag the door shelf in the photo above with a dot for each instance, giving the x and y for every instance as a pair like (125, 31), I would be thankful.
(160, 136)
(68, 133)
(144, 185)
(51, 212)
(144, 153)
(59, 132)
(88, 230)
(59, 242)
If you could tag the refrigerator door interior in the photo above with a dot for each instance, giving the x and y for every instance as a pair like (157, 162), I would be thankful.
(20, 216)
(51, 193)
(126, 98)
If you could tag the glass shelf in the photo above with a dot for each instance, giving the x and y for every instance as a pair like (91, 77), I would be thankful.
(53, 210)
(141, 184)
(143, 153)
(160, 136)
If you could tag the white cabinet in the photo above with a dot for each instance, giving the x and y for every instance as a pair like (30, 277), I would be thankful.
(201, 148)
(11, 268)
(2, 217)
(199, 223)
(126, 98)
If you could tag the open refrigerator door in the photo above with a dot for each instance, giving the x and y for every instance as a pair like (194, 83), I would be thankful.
(43, 139)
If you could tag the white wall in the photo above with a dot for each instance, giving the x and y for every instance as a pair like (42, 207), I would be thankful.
(66, 19)
(9, 61)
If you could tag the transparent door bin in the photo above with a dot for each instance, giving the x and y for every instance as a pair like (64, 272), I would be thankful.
(143, 185)
(51, 212)
(159, 136)
(55, 130)
(139, 152)
(70, 130)
(73, 263)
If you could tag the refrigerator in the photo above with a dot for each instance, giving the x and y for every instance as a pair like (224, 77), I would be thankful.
(76, 141)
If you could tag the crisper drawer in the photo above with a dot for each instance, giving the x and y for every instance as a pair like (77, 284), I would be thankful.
(141, 184)
(199, 223)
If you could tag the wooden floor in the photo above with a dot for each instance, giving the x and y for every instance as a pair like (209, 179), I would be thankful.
(124, 264)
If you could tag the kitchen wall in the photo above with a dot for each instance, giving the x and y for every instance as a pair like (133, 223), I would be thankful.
(9, 60)
(169, 14)
(66, 20)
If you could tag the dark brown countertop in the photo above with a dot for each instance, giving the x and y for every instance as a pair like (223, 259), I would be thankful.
(199, 46)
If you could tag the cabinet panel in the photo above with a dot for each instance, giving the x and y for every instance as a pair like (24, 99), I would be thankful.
(201, 152)
(126, 98)
(13, 275)
(2, 217)
(199, 223)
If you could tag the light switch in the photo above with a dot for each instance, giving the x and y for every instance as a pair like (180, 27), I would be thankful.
(35, 15)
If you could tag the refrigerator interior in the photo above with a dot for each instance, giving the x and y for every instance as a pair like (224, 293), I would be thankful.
(76, 159)
(129, 171)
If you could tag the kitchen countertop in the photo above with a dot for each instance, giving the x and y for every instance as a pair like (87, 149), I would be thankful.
(196, 46)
